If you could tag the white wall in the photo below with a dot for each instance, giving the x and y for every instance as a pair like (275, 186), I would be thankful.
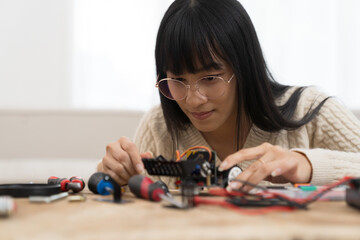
(84, 53)
(62, 133)
(35, 145)
(35, 53)
(309, 42)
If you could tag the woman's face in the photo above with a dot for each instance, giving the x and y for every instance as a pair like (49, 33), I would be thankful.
(209, 114)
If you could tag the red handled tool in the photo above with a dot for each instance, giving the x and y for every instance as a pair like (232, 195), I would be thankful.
(143, 187)
(76, 184)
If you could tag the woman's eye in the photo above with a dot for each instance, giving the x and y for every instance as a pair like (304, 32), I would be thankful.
(209, 78)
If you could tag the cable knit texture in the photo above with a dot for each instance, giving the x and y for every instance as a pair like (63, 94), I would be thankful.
(331, 141)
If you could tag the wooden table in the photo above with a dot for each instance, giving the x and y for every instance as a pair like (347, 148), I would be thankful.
(141, 219)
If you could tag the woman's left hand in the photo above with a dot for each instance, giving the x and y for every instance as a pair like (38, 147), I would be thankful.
(271, 161)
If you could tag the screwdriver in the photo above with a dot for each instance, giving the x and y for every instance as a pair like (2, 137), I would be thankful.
(143, 187)
(76, 184)
(101, 183)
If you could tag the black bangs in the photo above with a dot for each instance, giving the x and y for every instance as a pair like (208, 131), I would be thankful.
(188, 43)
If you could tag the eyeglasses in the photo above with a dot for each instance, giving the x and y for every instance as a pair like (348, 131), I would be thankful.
(209, 87)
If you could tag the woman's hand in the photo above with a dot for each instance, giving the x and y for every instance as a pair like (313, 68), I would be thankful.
(122, 160)
(271, 161)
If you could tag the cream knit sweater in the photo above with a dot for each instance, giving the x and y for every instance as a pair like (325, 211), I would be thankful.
(331, 141)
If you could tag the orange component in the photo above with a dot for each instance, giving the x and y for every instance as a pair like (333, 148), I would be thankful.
(179, 156)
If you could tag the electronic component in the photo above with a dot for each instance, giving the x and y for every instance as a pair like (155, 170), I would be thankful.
(198, 165)
(233, 173)
(77, 198)
(198, 169)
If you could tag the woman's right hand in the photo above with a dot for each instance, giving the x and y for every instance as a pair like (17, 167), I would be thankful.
(122, 160)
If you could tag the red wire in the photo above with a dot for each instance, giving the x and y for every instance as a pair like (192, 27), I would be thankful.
(267, 195)
(328, 187)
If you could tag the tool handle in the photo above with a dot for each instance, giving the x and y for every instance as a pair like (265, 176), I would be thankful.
(62, 181)
(143, 187)
(101, 183)
(79, 180)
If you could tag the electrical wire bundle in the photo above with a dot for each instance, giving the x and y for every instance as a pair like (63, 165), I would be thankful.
(268, 201)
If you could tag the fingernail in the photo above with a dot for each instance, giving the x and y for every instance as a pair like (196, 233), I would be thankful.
(150, 154)
(235, 185)
(276, 172)
(222, 166)
(139, 168)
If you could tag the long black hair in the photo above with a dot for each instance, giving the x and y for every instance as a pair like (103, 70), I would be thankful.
(193, 32)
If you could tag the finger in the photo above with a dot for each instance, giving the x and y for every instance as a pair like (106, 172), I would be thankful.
(244, 155)
(117, 167)
(123, 157)
(117, 155)
(146, 155)
(274, 168)
(130, 148)
(262, 173)
(115, 177)
(259, 169)
(288, 170)
(116, 152)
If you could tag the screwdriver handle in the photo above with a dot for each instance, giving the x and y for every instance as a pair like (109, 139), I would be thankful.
(76, 184)
(79, 180)
(101, 183)
(62, 181)
(143, 187)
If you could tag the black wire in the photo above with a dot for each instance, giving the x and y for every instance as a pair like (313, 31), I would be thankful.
(280, 198)
(277, 197)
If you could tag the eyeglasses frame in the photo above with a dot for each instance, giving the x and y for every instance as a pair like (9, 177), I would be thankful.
(188, 86)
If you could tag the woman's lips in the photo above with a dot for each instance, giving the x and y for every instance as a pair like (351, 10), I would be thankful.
(202, 115)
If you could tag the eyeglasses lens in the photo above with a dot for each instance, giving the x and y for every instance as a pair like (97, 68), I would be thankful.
(210, 87)
(172, 89)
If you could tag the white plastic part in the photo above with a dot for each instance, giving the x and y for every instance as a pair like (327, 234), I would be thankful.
(234, 172)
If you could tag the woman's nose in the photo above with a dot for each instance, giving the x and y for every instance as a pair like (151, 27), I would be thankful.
(194, 97)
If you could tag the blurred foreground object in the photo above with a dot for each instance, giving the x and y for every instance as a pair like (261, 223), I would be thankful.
(7, 206)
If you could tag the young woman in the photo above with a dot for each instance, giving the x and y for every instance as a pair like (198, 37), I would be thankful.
(217, 91)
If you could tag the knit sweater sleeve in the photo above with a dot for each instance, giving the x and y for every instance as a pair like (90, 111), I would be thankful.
(152, 135)
(334, 138)
(143, 138)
